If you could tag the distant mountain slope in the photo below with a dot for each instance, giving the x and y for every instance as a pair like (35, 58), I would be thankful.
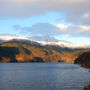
(7, 54)
(19, 49)
(44, 38)
(63, 44)
(30, 51)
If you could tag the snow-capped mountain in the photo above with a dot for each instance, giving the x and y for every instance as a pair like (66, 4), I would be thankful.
(64, 44)
(8, 37)
(44, 38)
(47, 41)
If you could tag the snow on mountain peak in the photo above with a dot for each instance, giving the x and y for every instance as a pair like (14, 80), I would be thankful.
(47, 41)
(7, 37)
(64, 44)
(44, 38)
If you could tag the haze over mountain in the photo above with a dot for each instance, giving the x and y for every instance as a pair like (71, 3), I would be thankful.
(15, 48)
(46, 40)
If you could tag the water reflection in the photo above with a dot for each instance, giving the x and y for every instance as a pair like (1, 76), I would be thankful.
(43, 76)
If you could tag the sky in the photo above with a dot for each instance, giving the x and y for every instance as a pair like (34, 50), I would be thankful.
(67, 20)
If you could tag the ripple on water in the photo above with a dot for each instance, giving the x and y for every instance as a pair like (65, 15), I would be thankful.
(43, 76)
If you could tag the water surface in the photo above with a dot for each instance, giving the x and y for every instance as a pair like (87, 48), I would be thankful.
(43, 76)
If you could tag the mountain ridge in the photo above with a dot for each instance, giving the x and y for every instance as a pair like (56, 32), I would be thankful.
(8, 37)
(30, 51)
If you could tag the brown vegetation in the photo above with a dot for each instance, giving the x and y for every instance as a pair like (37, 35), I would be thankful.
(26, 52)
(84, 60)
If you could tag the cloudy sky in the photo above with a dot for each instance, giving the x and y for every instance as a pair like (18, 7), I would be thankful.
(67, 20)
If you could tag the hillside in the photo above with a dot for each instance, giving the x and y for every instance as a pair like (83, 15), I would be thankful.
(20, 52)
(26, 51)
(84, 60)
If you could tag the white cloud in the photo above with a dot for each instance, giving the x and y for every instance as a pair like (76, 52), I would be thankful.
(62, 26)
(78, 31)
(27, 8)
(86, 15)
(84, 28)
(56, 30)
(40, 29)
(68, 35)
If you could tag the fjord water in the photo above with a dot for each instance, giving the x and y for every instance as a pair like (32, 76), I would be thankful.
(43, 76)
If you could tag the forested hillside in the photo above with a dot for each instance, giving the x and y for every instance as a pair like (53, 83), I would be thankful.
(24, 51)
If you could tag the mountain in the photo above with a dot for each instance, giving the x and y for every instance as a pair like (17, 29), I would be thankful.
(47, 40)
(14, 48)
(17, 50)
(8, 37)
(42, 40)
(22, 51)
(64, 44)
